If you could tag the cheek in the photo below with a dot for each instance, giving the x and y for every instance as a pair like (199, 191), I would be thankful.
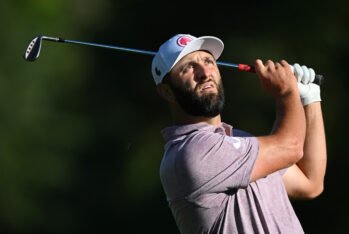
(216, 71)
(218, 77)
(186, 83)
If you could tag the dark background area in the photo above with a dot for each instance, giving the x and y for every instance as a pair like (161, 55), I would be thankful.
(80, 142)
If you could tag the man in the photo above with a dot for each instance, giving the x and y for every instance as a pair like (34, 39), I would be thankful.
(218, 179)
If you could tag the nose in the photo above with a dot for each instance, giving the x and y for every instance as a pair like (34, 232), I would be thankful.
(202, 72)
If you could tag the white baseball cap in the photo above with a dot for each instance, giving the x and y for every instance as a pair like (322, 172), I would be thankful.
(179, 46)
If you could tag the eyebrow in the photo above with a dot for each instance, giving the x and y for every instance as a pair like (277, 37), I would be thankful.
(203, 56)
(198, 58)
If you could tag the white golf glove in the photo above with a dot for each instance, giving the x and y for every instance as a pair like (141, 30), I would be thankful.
(309, 92)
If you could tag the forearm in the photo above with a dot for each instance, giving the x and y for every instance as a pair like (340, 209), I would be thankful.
(305, 179)
(290, 121)
(313, 163)
(284, 146)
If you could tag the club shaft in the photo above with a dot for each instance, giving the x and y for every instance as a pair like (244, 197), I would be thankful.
(147, 52)
(112, 47)
(241, 67)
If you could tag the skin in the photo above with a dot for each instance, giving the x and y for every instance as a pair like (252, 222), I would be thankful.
(305, 180)
(290, 137)
(198, 71)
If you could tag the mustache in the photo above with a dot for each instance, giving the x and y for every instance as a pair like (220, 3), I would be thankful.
(199, 85)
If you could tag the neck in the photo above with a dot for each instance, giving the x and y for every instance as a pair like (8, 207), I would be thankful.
(180, 117)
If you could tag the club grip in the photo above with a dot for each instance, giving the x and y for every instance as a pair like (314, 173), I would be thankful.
(319, 79)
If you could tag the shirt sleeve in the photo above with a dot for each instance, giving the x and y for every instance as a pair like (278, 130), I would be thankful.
(212, 162)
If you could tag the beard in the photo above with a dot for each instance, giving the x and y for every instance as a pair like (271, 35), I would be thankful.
(205, 105)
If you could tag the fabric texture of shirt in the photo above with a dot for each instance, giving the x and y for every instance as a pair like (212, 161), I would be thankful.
(205, 173)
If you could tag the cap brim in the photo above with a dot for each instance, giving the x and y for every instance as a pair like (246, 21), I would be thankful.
(208, 43)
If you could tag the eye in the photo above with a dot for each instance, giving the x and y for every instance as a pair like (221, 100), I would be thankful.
(187, 67)
(209, 60)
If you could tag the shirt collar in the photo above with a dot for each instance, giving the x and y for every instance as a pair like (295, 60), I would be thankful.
(176, 131)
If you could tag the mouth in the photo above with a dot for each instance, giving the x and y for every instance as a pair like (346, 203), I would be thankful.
(207, 87)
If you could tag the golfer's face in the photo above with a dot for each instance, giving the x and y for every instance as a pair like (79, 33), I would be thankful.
(197, 71)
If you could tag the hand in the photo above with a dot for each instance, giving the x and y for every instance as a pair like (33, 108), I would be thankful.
(276, 78)
(309, 92)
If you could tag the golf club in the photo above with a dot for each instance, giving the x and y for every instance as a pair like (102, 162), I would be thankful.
(32, 52)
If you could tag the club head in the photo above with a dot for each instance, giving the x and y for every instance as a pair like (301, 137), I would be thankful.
(33, 50)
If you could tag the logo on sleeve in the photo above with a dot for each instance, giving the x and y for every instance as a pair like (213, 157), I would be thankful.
(235, 141)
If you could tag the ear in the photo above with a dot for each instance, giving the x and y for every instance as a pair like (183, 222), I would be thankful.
(166, 92)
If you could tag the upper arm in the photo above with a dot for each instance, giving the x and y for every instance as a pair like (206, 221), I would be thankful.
(216, 162)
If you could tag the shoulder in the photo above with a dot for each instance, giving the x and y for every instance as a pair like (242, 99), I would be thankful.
(207, 144)
(201, 141)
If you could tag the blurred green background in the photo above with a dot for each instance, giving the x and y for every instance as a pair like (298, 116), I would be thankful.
(80, 142)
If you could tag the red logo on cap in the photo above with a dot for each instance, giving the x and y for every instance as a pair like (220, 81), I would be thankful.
(183, 40)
